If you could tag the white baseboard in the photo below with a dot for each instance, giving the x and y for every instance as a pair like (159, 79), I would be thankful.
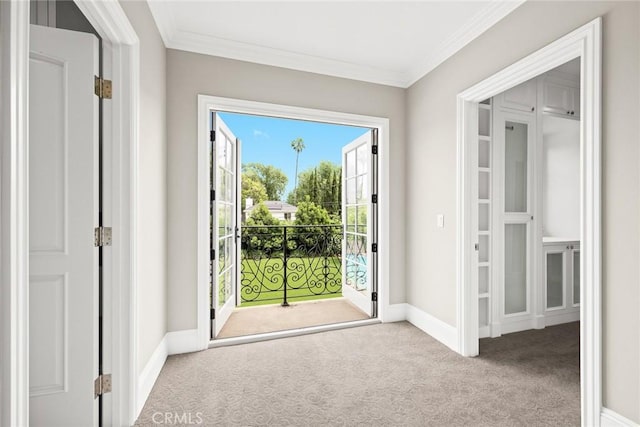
(394, 313)
(443, 332)
(608, 418)
(186, 341)
(150, 373)
(557, 319)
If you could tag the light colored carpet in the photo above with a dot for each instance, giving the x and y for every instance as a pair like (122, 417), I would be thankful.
(379, 375)
(271, 318)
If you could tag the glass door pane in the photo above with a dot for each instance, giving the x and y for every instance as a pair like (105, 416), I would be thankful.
(515, 168)
(555, 279)
(576, 277)
(515, 268)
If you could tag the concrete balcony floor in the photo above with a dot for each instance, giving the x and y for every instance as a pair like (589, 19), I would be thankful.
(272, 318)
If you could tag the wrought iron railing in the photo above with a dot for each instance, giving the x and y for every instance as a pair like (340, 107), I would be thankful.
(281, 263)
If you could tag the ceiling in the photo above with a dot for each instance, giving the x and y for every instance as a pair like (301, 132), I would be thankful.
(387, 42)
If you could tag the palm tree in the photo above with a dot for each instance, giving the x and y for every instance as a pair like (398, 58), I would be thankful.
(297, 145)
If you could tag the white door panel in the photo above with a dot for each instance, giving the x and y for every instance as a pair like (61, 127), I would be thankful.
(225, 214)
(63, 211)
(357, 220)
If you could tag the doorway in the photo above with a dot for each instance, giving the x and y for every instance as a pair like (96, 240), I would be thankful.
(207, 269)
(293, 214)
(583, 43)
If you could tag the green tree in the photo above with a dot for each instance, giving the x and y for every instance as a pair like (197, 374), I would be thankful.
(323, 185)
(273, 179)
(252, 188)
(257, 237)
(310, 213)
(297, 145)
(314, 240)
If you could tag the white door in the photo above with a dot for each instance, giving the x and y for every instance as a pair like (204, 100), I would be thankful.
(224, 213)
(63, 211)
(357, 220)
(515, 143)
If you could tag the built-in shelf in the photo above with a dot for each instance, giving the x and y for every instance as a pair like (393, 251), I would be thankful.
(483, 264)
(484, 138)
(488, 170)
(483, 233)
(484, 295)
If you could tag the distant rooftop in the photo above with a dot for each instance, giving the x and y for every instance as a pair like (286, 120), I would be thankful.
(275, 206)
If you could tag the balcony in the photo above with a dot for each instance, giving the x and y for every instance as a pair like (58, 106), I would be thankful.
(290, 277)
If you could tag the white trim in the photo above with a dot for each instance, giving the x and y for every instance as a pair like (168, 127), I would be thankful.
(208, 103)
(186, 341)
(150, 373)
(608, 418)
(485, 19)
(121, 143)
(395, 313)
(585, 42)
(436, 328)
(210, 45)
(14, 267)
(551, 319)
(268, 336)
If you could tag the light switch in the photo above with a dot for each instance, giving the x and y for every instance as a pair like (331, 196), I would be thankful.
(440, 218)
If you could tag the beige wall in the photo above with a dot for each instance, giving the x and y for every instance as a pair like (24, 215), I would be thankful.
(431, 172)
(152, 184)
(190, 74)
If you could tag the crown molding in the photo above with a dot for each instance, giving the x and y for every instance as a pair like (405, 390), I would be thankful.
(480, 23)
(209, 45)
(216, 46)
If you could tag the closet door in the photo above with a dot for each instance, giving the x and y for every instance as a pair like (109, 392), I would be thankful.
(516, 147)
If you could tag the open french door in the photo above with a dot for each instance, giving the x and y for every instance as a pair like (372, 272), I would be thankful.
(63, 212)
(359, 201)
(225, 184)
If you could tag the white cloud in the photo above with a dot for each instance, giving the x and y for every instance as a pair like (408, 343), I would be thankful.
(259, 133)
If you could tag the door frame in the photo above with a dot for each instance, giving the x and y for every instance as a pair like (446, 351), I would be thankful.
(120, 166)
(586, 43)
(208, 103)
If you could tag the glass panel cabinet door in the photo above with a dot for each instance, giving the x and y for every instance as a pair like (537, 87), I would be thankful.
(515, 268)
(515, 167)
(555, 279)
(576, 277)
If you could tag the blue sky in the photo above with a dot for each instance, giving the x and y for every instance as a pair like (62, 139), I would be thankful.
(268, 140)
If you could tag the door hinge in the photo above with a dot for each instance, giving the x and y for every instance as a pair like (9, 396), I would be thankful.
(102, 236)
(212, 135)
(212, 254)
(212, 313)
(374, 296)
(374, 149)
(212, 195)
(102, 87)
(374, 198)
(374, 247)
(102, 385)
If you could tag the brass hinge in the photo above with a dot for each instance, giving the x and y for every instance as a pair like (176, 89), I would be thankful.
(102, 385)
(102, 236)
(102, 87)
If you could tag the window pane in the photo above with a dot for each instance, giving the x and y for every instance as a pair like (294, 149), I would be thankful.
(351, 191)
(351, 164)
(515, 191)
(362, 159)
(362, 219)
(515, 268)
(555, 273)
(576, 277)
(361, 189)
